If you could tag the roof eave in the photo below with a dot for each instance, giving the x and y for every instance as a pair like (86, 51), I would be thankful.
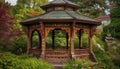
(29, 22)
(89, 22)
(45, 20)
(58, 20)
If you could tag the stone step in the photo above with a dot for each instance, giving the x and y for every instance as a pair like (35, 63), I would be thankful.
(57, 60)
(57, 55)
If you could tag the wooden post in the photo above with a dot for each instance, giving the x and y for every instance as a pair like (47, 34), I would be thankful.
(72, 39)
(80, 38)
(28, 40)
(53, 39)
(67, 40)
(43, 40)
(90, 39)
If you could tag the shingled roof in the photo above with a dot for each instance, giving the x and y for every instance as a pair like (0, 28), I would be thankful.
(60, 15)
(59, 2)
(101, 18)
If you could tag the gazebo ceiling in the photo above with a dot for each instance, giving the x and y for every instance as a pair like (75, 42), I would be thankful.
(60, 15)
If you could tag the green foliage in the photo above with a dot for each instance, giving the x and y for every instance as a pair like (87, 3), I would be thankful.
(49, 42)
(84, 40)
(115, 21)
(11, 61)
(97, 40)
(115, 12)
(76, 42)
(113, 28)
(91, 8)
(115, 55)
(60, 38)
(59, 42)
(26, 7)
(33, 63)
(19, 45)
(35, 39)
(5, 45)
(117, 2)
(8, 60)
(104, 58)
(79, 64)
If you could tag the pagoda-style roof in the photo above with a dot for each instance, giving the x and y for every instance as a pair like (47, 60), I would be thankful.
(59, 2)
(61, 14)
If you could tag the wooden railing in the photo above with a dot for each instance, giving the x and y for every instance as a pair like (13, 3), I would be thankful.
(57, 57)
(63, 56)
(82, 53)
(85, 53)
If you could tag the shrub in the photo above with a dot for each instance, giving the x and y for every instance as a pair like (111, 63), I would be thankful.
(33, 63)
(19, 43)
(79, 64)
(105, 60)
(29, 62)
(8, 60)
(11, 61)
(14, 45)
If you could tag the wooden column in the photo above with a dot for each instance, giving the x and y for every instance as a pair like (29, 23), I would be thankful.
(53, 39)
(90, 38)
(29, 40)
(72, 38)
(43, 40)
(67, 40)
(80, 38)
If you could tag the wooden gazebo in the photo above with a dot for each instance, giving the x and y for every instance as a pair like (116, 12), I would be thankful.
(60, 15)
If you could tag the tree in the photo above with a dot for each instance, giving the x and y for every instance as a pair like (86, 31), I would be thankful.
(114, 27)
(7, 32)
(26, 9)
(91, 8)
(6, 21)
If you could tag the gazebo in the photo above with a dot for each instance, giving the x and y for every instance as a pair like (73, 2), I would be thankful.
(60, 15)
